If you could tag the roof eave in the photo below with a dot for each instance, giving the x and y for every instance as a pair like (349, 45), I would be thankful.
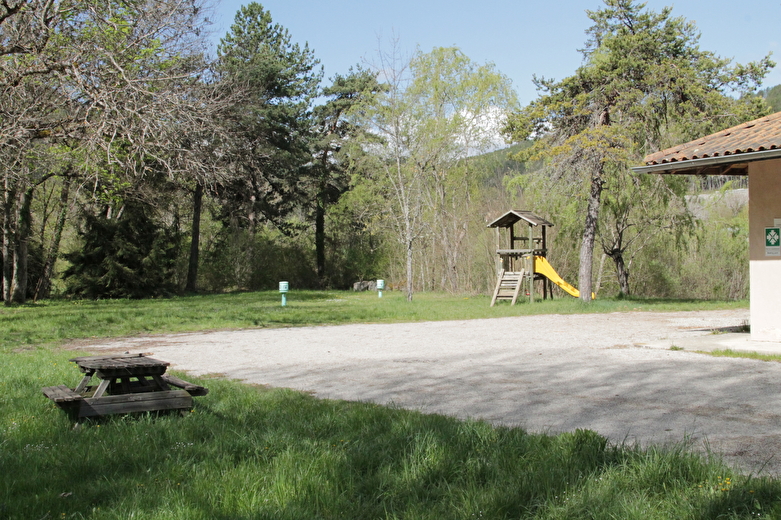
(708, 165)
(513, 216)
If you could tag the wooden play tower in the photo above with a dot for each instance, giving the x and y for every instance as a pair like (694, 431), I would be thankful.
(515, 264)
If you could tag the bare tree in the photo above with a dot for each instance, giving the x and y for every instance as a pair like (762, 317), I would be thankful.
(402, 170)
(124, 83)
(459, 106)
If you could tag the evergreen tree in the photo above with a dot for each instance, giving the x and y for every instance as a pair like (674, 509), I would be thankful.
(773, 97)
(270, 125)
(334, 125)
(645, 85)
(130, 256)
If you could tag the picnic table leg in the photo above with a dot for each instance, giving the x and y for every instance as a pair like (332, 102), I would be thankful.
(125, 388)
(83, 383)
(161, 383)
(101, 388)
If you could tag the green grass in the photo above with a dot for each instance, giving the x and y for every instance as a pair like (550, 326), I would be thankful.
(742, 354)
(253, 453)
(55, 321)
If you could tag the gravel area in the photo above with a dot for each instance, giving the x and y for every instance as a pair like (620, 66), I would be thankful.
(548, 373)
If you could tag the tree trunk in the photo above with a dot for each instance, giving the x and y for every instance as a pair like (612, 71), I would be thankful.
(44, 286)
(409, 240)
(19, 285)
(9, 203)
(589, 236)
(600, 272)
(320, 203)
(622, 272)
(195, 240)
(409, 267)
(320, 236)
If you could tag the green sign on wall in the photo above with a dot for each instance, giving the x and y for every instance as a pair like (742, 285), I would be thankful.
(772, 241)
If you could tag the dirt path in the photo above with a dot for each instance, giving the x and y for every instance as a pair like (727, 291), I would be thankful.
(544, 373)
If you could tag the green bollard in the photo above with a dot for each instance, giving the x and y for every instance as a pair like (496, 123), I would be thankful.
(380, 287)
(283, 288)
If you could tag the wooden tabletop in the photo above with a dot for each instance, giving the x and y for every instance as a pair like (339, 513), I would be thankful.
(118, 365)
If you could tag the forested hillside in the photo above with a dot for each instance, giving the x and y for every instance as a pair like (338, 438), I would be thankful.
(136, 166)
(773, 97)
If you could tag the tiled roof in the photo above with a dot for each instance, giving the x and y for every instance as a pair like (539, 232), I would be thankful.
(755, 136)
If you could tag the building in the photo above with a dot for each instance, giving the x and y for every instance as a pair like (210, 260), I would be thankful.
(752, 149)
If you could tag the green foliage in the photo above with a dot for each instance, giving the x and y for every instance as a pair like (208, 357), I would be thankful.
(773, 97)
(356, 251)
(500, 165)
(133, 256)
(440, 108)
(389, 173)
(239, 259)
(645, 85)
(95, 87)
(269, 126)
(457, 103)
(335, 123)
(335, 126)
(719, 241)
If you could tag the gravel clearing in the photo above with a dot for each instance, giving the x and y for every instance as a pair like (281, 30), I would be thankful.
(549, 373)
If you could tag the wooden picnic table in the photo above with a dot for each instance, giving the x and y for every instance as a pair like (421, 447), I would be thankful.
(125, 383)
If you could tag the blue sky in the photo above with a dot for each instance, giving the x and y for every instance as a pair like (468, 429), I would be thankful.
(522, 38)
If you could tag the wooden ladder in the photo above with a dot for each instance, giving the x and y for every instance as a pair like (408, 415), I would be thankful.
(508, 287)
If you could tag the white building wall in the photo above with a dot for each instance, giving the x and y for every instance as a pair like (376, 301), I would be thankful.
(765, 262)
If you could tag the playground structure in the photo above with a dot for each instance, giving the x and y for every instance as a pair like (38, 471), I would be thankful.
(519, 267)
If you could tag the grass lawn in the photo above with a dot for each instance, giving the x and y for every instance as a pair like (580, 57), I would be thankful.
(52, 322)
(256, 453)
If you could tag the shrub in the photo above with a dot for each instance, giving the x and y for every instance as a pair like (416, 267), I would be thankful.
(133, 256)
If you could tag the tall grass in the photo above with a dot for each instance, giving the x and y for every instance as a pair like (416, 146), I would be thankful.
(54, 321)
(255, 453)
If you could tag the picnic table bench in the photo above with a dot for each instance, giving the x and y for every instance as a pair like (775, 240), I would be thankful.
(125, 383)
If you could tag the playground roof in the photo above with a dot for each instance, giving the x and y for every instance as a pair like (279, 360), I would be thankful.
(514, 215)
(727, 152)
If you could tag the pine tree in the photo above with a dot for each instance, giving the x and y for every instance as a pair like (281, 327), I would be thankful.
(645, 85)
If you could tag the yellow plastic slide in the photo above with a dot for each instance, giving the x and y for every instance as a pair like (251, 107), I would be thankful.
(543, 267)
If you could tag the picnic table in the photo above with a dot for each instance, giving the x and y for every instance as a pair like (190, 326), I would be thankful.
(124, 383)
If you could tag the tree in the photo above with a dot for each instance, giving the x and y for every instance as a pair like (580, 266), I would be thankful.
(396, 183)
(773, 97)
(638, 208)
(459, 107)
(440, 108)
(130, 255)
(644, 85)
(51, 254)
(118, 81)
(269, 126)
(334, 125)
